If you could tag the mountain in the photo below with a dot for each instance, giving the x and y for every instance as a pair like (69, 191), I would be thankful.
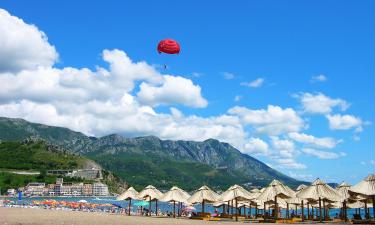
(35, 157)
(144, 160)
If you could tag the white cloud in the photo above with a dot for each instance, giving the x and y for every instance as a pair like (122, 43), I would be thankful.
(325, 142)
(322, 154)
(196, 74)
(285, 148)
(237, 98)
(289, 163)
(298, 176)
(174, 90)
(320, 104)
(344, 122)
(254, 84)
(318, 78)
(371, 162)
(228, 76)
(272, 121)
(123, 72)
(256, 146)
(23, 46)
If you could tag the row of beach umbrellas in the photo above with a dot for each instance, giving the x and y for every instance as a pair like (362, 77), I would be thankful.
(276, 195)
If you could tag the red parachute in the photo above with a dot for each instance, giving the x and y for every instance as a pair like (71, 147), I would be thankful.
(169, 46)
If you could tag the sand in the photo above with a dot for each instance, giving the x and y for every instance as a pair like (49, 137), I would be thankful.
(51, 217)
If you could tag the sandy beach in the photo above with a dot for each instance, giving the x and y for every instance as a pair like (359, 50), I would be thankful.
(19, 216)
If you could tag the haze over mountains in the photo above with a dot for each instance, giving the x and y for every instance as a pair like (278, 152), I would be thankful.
(149, 160)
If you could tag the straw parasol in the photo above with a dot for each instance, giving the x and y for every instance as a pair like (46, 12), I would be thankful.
(236, 193)
(174, 195)
(366, 188)
(319, 191)
(301, 187)
(204, 195)
(274, 190)
(152, 194)
(129, 194)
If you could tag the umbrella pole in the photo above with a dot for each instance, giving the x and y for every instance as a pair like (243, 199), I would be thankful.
(130, 202)
(264, 210)
(276, 208)
(308, 210)
(287, 210)
(156, 207)
(236, 210)
(174, 209)
(324, 210)
(256, 210)
(302, 213)
(228, 208)
(320, 210)
(249, 210)
(232, 207)
(244, 210)
(149, 207)
(203, 206)
(366, 215)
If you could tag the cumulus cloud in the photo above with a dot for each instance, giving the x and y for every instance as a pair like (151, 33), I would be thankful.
(320, 104)
(272, 121)
(344, 122)
(285, 148)
(256, 146)
(174, 90)
(325, 142)
(323, 154)
(318, 78)
(290, 163)
(23, 46)
(253, 84)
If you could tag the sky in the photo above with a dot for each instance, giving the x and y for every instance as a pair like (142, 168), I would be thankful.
(287, 82)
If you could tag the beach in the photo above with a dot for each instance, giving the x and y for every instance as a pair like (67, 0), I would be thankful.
(10, 216)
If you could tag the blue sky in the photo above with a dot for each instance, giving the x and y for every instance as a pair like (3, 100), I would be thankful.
(321, 51)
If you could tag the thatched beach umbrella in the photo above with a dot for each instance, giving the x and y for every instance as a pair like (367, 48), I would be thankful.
(129, 194)
(236, 193)
(366, 188)
(301, 187)
(174, 195)
(152, 194)
(343, 190)
(319, 191)
(274, 190)
(204, 195)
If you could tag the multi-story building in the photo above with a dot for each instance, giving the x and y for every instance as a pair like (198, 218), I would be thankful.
(35, 189)
(100, 189)
(66, 190)
(87, 190)
(77, 189)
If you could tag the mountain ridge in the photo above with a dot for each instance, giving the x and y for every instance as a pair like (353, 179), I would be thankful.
(212, 155)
